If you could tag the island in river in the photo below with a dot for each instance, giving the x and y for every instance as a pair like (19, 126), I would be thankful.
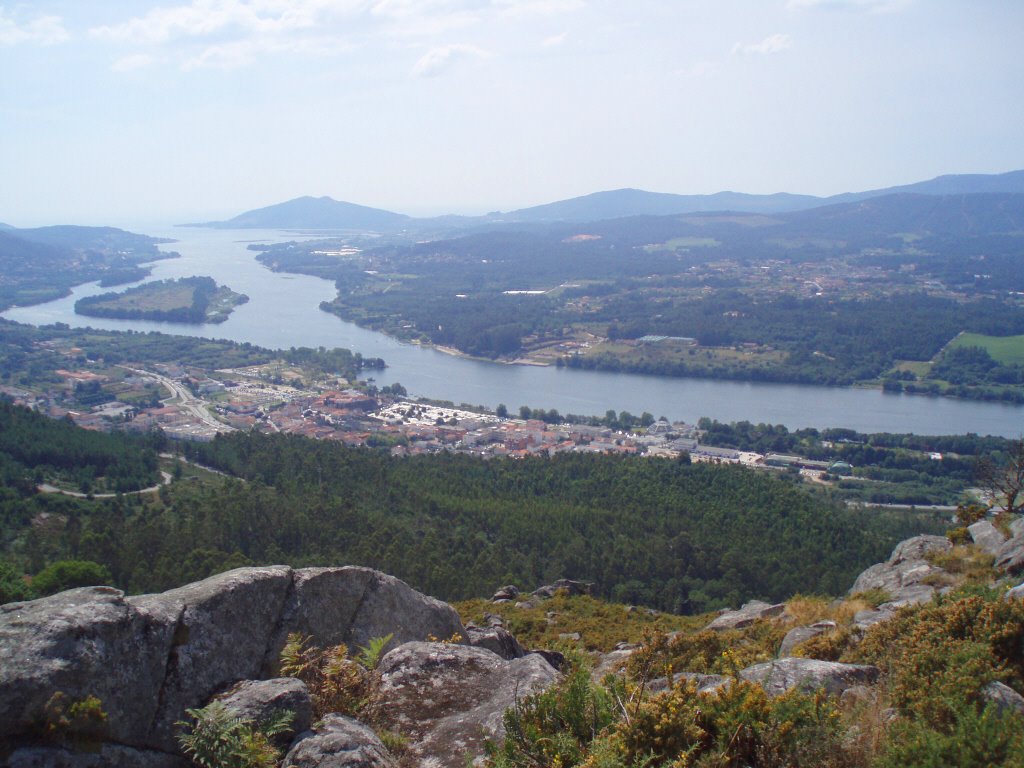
(185, 300)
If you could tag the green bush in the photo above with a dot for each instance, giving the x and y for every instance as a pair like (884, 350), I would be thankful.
(974, 739)
(68, 574)
(217, 737)
(557, 726)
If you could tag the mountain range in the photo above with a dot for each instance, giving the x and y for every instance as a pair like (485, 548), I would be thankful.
(326, 213)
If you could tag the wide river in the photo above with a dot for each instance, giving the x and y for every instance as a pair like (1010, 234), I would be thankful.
(283, 312)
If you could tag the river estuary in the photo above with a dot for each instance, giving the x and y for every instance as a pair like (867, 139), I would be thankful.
(283, 312)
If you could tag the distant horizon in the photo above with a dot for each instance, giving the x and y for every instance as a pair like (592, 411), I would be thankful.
(170, 221)
(194, 110)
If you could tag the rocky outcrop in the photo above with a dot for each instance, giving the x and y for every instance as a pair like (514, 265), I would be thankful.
(262, 700)
(703, 683)
(568, 586)
(339, 742)
(496, 640)
(1004, 697)
(505, 594)
(108, 756)
(448, 698)
(1010, 556)
(150, 657)
(745, 616)
(799, 635)
(986, 536)
(781, 675)
(907, 572)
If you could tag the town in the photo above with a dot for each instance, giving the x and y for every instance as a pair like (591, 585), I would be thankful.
(191, 403)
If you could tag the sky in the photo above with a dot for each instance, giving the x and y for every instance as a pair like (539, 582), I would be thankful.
(114, 112)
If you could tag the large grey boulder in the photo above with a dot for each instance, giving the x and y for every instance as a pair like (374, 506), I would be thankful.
(799, 635)
(449, 698)
(1010, 555)
(986, 536)
(1015, 593)
(703, 683)
(339, 742)
(746, 615)
(84, 642)
(108, 756)
(568, 586)
(495, 639)
(224, 628)
(779, 676)
(262, 700)
(1004, 697)
(151, 657)
(354, 605)
(904, 574)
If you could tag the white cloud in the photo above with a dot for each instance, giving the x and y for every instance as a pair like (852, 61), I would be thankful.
(436, 60)
(133, 62)
(550, 42)
(44, 30)
(871, 6)
(772, 44)
(529, 8)
(203, 18)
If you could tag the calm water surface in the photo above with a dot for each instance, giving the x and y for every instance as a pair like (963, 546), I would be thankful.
(283, 312)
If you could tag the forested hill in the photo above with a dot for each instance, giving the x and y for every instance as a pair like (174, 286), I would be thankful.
(648, 531)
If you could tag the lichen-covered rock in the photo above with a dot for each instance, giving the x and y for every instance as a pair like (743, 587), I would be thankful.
(339, 742)
(866, 619)
(449, 698)
(1004, 697)
(149, 658)
(746, 615)
(904, 574)
(506, 593)
(108, 756)
(1010, 555)
(225, 626)
(495, 639)
(1015, 593)
(262, 700)
(84, 642)
(354, 605)
(779, 676)
(799, 635)
(986, 536)
(569, 586)
(704, 683)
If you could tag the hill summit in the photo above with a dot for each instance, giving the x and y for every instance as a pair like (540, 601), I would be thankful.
(312, 213)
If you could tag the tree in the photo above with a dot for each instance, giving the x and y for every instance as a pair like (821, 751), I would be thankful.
(501, 411)
(1003, 482)
(68, 574)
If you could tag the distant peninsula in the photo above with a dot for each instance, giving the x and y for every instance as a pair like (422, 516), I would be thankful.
(185, 300)
(312, 213)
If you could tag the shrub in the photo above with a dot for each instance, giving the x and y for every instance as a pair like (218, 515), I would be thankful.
(74, 722)
(68, 574)
(976, 738)
(556, 726)
(828, 646)
(217, 737)
(335, 682)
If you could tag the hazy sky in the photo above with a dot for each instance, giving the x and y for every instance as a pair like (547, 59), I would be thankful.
(116, 112)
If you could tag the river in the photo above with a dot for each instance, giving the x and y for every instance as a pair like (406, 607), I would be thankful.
(283, 312)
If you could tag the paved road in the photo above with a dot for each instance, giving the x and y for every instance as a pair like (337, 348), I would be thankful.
(188, 401)
(47, 488)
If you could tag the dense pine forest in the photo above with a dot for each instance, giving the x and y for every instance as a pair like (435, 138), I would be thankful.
(652, 531)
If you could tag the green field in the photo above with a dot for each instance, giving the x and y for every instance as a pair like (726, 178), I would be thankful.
(1005, 349)
(152, 297)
